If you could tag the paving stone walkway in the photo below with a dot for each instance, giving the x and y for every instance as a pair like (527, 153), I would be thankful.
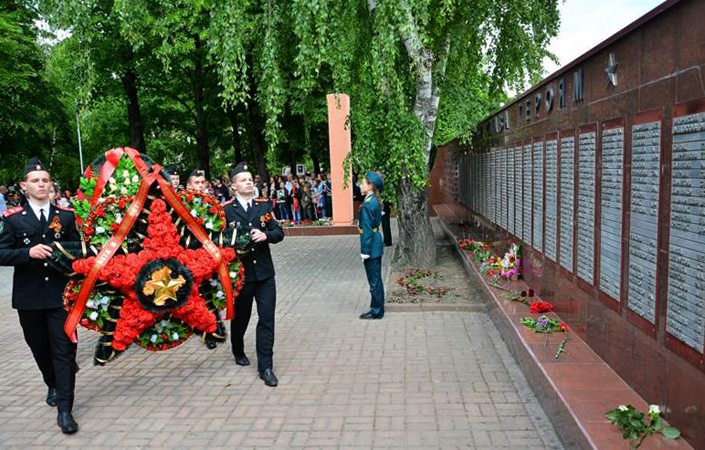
(431, 380)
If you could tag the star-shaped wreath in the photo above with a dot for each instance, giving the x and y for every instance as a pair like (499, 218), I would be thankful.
(155, 266)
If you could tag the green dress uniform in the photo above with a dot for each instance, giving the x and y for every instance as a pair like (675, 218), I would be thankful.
(372, 248)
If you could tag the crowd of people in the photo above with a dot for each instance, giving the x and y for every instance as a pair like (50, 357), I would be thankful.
(294, 199)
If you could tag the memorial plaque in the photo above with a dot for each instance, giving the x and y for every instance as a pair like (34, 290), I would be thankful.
(511, 190)
(643, 232)
(567, 201)
(586, 206)
(538, 196)
(528, 190)
(551, 198)
(519, 189)
(611, 214)
(493, 185)
(686, 270)
(504, 188)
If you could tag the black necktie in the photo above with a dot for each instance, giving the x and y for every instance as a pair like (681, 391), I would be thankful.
(42, 219)
(247, 210)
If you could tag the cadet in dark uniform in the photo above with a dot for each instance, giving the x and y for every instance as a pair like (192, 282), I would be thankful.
(37, 290)
(259, 273)
(371, 242)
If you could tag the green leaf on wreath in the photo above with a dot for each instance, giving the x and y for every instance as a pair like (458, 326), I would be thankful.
(671, 432)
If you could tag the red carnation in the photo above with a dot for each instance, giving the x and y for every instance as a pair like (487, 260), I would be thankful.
(121, 203)
(540, 307)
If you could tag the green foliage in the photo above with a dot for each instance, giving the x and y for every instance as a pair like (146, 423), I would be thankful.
(637, 426)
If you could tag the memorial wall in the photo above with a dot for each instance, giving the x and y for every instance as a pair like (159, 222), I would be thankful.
(599, 171)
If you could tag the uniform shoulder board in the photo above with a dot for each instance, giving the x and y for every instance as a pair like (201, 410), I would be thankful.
(368, 199)
(65, 208)
(12, 211)
(227, 203)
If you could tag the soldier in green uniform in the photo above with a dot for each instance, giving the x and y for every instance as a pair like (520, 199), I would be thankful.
(371, 247)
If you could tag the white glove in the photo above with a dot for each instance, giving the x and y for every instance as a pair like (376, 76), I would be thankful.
(363, 256)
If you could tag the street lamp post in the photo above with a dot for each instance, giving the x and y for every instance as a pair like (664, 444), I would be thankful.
(78, 130)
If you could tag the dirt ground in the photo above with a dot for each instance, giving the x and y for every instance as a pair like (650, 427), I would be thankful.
(449, 274)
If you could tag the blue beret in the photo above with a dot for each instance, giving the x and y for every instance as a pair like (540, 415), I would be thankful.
(376, 180)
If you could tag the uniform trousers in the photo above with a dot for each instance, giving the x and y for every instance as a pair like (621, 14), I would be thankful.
(373, 269)
(264, 292)
(53, 351)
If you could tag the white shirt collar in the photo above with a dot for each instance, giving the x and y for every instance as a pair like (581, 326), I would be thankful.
(244, 202)
(37, 208)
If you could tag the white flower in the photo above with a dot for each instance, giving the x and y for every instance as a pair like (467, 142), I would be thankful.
(164, 323)
(135, 178)
(123, 191)
(209, 225)
(99, 230)
(104, 300)
(113, 186)
(94, 315)
(623, 408)
(111, 180)
(127, 181)
(219, 294)
(194, 213)
(153, 338)
(175, 336)
(654, 411)
(126, 174)
(118, 218)
(90, 304)
(233, 274)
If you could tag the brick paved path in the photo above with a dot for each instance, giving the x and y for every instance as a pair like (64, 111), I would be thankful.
(411, 381)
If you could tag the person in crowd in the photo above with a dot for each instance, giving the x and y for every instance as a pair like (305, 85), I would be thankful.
(65, 200)
(386, 225)
(371, 248)
(197, 180)
(315, 199)
(174, 179)
(327, 195)
(3, 200)
(282, 205)
(260, 284)
(26, 234)
(53, 193)
(306, 213)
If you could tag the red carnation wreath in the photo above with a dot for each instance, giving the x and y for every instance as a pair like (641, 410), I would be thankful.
(154, 265)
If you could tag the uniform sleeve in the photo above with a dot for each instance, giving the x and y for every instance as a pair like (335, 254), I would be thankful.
(274, 231)
(9, 255)
(367, 233)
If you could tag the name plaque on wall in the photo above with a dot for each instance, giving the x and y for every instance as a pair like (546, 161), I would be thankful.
(686, 269)
(503, 188)
(586, 206)
(528, 189)
(511, 190)
(566, 201)
(494, 185)
(611, 212)
(519, 179)
(551, 198)
(538, 196)
(643, 229)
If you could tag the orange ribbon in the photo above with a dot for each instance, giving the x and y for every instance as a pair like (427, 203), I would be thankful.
(202, 236)
(105, 255)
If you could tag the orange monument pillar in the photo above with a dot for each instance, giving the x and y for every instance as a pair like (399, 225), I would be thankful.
(340, 145)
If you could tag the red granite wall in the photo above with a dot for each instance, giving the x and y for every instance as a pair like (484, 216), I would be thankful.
(661, 59)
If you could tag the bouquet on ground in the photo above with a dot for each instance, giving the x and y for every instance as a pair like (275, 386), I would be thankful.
(479, 249)
(154, 265)
(547, 326)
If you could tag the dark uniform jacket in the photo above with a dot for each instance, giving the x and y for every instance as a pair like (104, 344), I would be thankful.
(370, 220)
(258, 261)
(35, 284)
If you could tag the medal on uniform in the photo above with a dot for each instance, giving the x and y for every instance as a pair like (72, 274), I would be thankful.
(56, 226)
(26, 241)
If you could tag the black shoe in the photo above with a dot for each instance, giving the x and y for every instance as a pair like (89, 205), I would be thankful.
(242, 360)
(369, 315)
(51, 397)
(66, 422)
(269, 378)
